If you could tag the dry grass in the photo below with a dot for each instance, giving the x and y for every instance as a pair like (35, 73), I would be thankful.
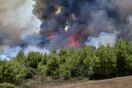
(121, 82)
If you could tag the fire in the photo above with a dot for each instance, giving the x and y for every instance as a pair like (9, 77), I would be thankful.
(74, 42)
(51, 36)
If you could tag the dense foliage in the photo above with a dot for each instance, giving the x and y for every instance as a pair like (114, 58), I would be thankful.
(88, 62)
(7, 85)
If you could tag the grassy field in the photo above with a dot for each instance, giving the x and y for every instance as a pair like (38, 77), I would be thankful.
(119, 82)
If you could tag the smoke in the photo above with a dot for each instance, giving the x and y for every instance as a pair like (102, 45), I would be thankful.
(41, 25)
(35, 49)
(103, 39)
(124, 8)
(10, 52)
(84, 18)
(15, 17)
(18, 25)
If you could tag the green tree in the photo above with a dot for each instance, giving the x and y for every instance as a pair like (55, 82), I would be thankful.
(74, 65)
(65, 72)
(42, 67)
(54, 51)
(123, 50)
(20, 57)
(105, 65)
(44, 59)
(89, 61)
(12, 72)
(63, 56)
(71, 52)
(53, 66)
(30, 73)
(33, 59)
(7, 85)
(129, 65)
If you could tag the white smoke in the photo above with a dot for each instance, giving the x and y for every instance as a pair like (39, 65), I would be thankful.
(103, 39)
(17, 18)
(35, 49)
(10, 52)
(18, 13)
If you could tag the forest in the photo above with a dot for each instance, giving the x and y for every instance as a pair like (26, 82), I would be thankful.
(87, 62)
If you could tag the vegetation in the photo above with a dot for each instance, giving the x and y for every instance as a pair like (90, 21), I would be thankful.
(88, 62)
(7, 85)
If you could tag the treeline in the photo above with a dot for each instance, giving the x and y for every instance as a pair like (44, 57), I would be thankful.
(88, 62)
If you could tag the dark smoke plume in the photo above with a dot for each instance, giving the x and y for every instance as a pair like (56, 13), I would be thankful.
(64, 24)
(85, 18)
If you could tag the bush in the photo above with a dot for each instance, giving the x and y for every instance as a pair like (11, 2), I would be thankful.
(7, 85)
(53, 66)
(12, 72)
(42, 70)
(33, 59)
(87, 62)
(30, 72)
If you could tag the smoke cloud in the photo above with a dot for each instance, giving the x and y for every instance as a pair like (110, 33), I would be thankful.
(17, 23)
(41, 25)
(15, 17)
(102, 40)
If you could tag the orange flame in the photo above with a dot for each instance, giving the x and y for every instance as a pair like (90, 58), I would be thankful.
(74, 42)
(51, 36)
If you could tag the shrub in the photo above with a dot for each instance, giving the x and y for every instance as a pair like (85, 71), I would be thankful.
(12, 72)
(7, 85)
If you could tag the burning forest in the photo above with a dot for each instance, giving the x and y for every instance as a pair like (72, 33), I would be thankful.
(42, 25)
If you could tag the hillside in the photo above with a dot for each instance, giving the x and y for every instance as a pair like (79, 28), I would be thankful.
(121, 82)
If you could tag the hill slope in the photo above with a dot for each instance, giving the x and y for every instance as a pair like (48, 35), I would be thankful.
(121, 82)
